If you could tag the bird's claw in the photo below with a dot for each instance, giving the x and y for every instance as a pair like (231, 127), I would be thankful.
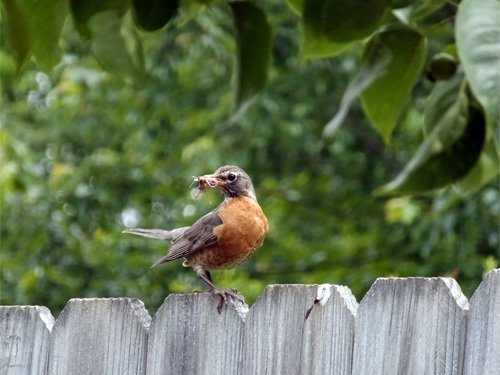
(225, 294)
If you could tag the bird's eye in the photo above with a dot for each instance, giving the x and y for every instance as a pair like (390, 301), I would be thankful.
(231, 177)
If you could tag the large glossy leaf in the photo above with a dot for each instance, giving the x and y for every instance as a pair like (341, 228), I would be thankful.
(384, 100)
(487, 167)
(447, 154)
(30, 32)
(152, 15)
(314, 46)
(443, 96)
(423, 8)
(314, 40)
(296, 5)
(253, 40)
(83, 10)
(115, 44)
(17, 31)
(45, 35)
(343, 21)
(478, 41)
(369, 71)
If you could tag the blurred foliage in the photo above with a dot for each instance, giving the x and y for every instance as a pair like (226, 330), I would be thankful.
(392, 35)
(85, 153)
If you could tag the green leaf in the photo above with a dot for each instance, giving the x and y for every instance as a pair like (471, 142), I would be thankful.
(152, 15)
(384, 100)
(443, 96)
(116, 45)
(45, 35)
(343, 21)
(314, 41)
(487, 167)
(17, 32)
(423, 8)
(371, 69)
(30, 32)
(478, 40)
(83, 10)
(7, 71)
(296, 5)
(446, 155)
(253, 40)
(314, 46)
(396, 4)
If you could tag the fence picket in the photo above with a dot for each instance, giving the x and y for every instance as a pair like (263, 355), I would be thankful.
(24, 339)
(410, 326)
(189, 336)
(482, 347)
(280, 340)
(407, 326)
(100, 336)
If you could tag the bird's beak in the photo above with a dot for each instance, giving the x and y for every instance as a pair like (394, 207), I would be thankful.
(209, 180)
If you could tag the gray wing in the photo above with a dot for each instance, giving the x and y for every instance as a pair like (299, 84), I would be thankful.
(196, 237)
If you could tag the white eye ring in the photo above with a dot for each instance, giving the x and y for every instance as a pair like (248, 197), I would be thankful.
(231, 176)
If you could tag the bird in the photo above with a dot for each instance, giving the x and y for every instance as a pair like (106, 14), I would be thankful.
(224, 237)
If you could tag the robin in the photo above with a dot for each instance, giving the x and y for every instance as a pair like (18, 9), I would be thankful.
(223, 238)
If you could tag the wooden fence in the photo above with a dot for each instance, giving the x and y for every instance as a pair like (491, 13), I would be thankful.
(402, 326)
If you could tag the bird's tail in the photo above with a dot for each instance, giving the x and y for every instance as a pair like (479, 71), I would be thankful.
(160, 234)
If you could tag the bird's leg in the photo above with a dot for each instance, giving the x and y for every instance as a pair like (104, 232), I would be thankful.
(223, 294)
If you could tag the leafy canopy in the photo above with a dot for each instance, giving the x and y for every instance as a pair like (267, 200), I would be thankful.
(393, 34)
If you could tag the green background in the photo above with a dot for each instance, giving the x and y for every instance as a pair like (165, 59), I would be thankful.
(85, 153)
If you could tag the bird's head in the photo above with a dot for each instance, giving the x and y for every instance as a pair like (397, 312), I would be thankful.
(230, 179)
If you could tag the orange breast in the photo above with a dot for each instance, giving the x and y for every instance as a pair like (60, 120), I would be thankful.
(243, 229)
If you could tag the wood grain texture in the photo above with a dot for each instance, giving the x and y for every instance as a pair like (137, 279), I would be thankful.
(100, 336)
(482, 348)
(24, 339)
(189, 336)
(278, 338)
(411, 326)
(404, 326)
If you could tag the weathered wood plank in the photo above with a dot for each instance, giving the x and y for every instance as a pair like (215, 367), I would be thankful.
(403, 326)
(482, 347)
(189, 336)
(100, 336)
(278, 339)
(411, 326)
(24, 339)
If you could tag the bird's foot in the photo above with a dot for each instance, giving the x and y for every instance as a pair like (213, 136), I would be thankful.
(226, 294)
